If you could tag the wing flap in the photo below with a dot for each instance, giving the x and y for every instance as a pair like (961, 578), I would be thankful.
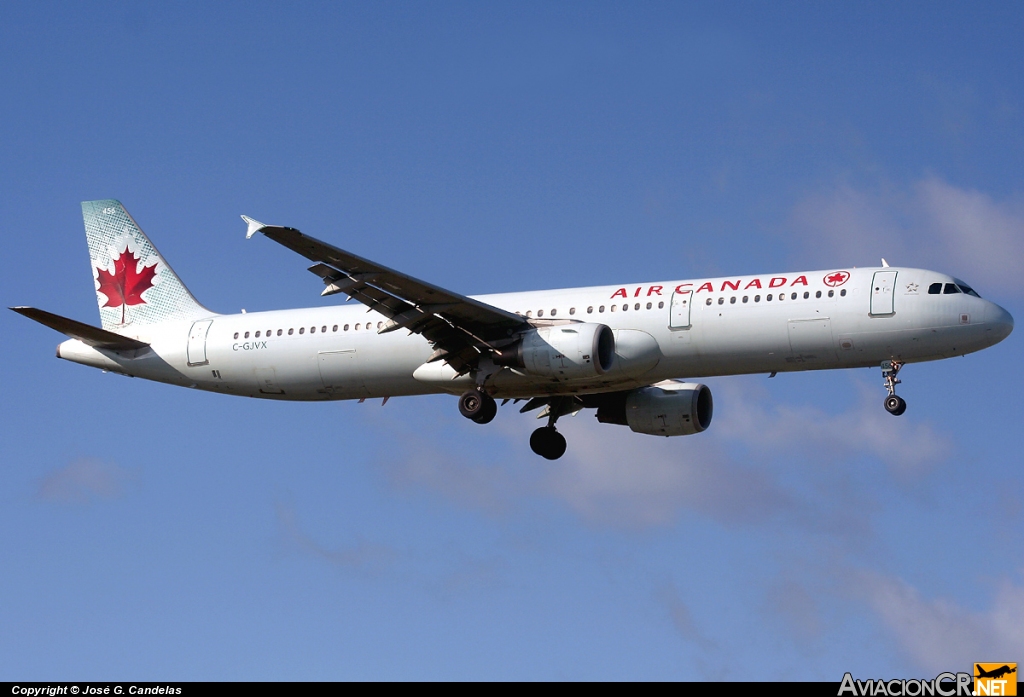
(86, 333)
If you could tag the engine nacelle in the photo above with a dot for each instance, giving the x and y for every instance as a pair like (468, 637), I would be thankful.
(564, 351)
(666, 409)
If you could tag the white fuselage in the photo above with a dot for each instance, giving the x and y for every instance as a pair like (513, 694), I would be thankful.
(692, 329)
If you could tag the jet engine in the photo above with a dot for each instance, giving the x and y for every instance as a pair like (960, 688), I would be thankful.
(564, 352)
(665, 409)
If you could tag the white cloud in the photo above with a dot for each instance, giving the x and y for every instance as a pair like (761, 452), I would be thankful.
(908, 448)
(85, 480)
(612, 476)
(930, 223)
(939, 634)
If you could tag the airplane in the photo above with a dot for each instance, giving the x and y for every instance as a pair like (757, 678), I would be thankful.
(995, 673)
(623, 350)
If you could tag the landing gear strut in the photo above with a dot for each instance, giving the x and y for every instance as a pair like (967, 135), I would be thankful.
(893, 404)
(478, 406)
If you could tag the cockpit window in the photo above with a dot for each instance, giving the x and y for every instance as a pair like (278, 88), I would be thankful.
(950, 289)
(968, 290)
(935, 289)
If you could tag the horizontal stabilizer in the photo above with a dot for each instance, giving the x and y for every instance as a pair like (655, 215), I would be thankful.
(86, 333)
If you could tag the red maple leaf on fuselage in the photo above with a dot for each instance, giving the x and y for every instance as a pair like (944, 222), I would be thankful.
(126, 285)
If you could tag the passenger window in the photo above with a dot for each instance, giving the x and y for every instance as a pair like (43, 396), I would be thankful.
(746, 298)
(601, 309)
(757, 298)
(637, 306)
(949, 290)
(529, 313)
(379, 325)
(312, 330)
(935, 289)
(236, 335)
(732, 300)
(279, 332)
(590, 310)
(782, 296)
(356, 328)
(625, 306)
(721, 301)
(611, 308)
(661, 305)
(708, 301)
(335, 328)
(540, 313)
(345, 328)
(247, 335)
(323, 329)
(768, 297)
(554, 312)
(831, 293)
(818, 294)
(843, 292)
(291, 331)
(649, 306)
(257, 335)
(302, 330)
(793, 296)
(806, 295)
(572, 310)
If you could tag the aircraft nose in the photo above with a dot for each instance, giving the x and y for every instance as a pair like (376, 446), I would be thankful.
(999, 320)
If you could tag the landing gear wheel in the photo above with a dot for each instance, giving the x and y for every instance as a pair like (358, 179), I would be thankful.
(478, 406)
(548, 443)
(895, 405)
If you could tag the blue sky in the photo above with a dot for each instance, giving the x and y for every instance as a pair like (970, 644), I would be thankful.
(157, 533)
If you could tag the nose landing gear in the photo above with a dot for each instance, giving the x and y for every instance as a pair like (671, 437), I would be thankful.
(893, 404)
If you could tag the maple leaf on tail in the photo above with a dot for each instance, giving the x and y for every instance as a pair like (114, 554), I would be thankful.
(126, 285)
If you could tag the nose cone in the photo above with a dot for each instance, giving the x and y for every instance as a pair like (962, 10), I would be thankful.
(999, 322)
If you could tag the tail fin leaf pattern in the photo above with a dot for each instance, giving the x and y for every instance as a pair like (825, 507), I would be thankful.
(134, 285)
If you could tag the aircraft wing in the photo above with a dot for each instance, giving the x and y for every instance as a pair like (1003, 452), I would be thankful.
(459, 328)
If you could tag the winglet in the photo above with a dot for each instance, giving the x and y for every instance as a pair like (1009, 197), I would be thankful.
(254, 226)
(885, 264)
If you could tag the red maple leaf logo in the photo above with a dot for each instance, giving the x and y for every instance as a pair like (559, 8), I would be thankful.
(837, 279)
(126, 285)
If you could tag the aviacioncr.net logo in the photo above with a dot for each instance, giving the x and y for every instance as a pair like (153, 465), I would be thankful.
(943, 685)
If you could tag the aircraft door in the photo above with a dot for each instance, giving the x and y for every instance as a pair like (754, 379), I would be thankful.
(883, 285)
(196, 350)
(679, 310)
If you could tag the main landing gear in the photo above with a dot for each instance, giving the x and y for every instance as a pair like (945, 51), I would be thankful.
(478, 406)
(546, 441)
(893, 404)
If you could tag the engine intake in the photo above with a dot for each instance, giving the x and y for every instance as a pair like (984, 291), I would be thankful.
(665, 409)
(564, 352)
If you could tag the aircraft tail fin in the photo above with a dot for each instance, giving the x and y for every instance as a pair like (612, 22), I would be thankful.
(134, 285)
